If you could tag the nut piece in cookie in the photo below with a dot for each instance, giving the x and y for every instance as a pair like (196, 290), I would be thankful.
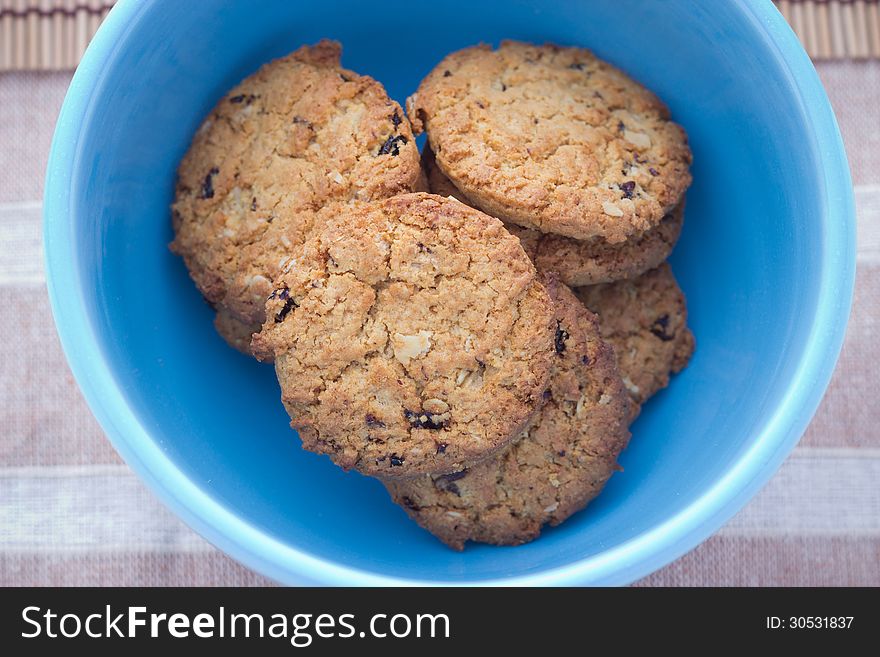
(557, 465)
(645, 320)
(300, 134)
(412, 336)
(553, 139)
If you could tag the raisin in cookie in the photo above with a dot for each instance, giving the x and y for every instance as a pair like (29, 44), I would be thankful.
(553, 139)
(299, 134)
(580, 262)
(412, 336)
(645, 320)
(559, 463)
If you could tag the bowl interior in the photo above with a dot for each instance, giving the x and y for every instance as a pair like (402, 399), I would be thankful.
(749, 260)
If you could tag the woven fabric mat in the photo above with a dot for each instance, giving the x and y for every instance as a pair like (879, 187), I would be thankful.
(51, 35)
(71, 513)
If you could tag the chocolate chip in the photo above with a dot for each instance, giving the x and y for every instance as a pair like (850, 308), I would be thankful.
(300, 120)
(391, 145)
(536, 121)
(247, 99)
(561, 337)
(344, 77)
(208, 183)
(396, 460)
(659, 328)
(654, 171)
(561, 452)
(503, 87)
(577, 66)
(424, 249)
(423, 420)
(395, 119)
(373, 422)
(409, 504)
(620, 126)
(254, 204)
(447, 74)
(585, 359)
(547, 395)
(480, 105)
(441, 448)
(628, 188)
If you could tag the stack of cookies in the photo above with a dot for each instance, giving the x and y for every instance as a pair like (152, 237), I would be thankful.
(477, 327)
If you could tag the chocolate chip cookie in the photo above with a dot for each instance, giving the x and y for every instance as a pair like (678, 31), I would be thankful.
(580, 262)
(553, 139)
(300, 134)
(411, 336)
(554, 468)
(645, 319)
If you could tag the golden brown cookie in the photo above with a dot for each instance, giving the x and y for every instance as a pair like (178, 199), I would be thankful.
(298, 135)
(645, 320)
(411, 336)
(236, 333)
(553, 139)
(580, 262)
(558, 464)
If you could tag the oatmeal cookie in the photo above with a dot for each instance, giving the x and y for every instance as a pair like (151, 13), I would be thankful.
(558, 464)
(580, 262)
(645, 320)
(300, 134)
(554, 139)
(412, 336)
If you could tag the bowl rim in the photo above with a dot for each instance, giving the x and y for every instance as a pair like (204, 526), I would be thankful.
(622, 564)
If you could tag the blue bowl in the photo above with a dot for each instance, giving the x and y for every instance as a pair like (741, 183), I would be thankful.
(766, 259)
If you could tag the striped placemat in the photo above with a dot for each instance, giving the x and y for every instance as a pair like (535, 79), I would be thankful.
(835, 29)
(71, 513)
(46, 35)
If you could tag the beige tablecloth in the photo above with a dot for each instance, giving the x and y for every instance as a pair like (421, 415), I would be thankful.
(71, 513)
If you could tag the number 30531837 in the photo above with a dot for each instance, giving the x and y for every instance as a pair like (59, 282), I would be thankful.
(810, 622)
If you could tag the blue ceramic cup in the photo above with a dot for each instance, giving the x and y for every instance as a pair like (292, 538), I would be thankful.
(766, 259)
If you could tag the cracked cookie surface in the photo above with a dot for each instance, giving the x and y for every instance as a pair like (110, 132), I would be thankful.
(554, 139)
(411, 336)
(300, 134)
(580, 262)
(559, 463)
(645, 320)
